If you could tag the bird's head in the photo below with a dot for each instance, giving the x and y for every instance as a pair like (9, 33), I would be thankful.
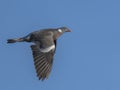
(60, 31)
(63, 30)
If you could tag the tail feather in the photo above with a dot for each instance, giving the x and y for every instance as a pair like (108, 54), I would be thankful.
(15, 40)
(26, 38)
(11, 41)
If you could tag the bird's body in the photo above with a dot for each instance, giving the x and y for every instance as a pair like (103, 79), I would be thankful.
(44, 48)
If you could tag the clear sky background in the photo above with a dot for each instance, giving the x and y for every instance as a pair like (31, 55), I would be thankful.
(88, 58)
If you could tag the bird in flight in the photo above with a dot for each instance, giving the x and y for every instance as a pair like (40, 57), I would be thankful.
(43, 49)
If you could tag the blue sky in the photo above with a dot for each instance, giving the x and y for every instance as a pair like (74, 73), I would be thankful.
(88, 58)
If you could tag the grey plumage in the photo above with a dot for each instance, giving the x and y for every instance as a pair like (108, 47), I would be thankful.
(44, 48)
(42, 61)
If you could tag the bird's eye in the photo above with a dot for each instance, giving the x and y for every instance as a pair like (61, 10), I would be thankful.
(59, 30)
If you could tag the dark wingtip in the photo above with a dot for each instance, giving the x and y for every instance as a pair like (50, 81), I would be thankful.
(42, 78)
(11, 41)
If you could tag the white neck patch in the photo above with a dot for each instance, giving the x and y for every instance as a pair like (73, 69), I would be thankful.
(59, 30)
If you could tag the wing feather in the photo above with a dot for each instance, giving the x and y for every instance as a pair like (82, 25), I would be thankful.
(42, 61)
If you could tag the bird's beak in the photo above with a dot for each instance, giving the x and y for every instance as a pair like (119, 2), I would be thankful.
(68, 30)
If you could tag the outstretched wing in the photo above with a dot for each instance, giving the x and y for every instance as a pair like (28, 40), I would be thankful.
(43, 61)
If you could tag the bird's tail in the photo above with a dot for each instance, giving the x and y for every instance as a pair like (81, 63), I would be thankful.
(15, 40)
(26, 38)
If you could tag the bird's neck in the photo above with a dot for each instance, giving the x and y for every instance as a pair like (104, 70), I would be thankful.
(57, 35)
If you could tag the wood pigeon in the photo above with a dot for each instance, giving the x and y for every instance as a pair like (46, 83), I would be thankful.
(43, 49)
